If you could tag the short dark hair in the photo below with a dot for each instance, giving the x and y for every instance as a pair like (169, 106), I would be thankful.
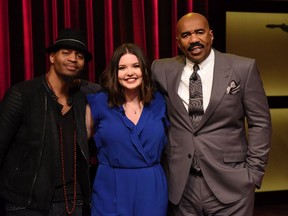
(109, 78)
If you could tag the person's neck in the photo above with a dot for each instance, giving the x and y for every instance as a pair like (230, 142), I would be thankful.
(60, 90)
(59, 86)
(132, 97)
(133, 106)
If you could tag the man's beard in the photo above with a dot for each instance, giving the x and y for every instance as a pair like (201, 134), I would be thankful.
(68, 78)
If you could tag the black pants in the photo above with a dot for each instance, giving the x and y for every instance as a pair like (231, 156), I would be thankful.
(2, 206)
(56, 209)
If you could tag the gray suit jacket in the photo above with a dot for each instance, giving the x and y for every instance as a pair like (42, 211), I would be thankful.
(232, 161)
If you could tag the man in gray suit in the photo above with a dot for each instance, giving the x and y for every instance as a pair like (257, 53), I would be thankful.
(214, 167)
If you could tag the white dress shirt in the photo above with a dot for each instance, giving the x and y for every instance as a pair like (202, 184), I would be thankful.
(206, 74)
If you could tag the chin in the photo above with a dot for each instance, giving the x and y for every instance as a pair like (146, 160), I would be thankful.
(69, 77)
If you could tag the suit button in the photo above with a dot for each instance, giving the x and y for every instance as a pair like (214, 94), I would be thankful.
(189, 156)
(195, 134)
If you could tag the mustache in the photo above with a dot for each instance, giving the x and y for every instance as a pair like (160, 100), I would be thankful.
(192, 45)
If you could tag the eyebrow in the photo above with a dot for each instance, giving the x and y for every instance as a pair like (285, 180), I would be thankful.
(189, 32)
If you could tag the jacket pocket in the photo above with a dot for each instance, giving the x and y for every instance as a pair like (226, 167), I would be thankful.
(235, 160)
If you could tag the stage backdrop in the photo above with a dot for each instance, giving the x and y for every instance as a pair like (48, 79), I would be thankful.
(27, 27)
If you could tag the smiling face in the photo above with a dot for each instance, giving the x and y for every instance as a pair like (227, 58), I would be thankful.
(194, 37)
(67, 63)
(129, 73)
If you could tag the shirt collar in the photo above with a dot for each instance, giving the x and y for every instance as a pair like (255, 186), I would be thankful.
(203, 63)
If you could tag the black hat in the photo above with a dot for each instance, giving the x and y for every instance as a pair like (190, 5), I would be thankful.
(72, 39)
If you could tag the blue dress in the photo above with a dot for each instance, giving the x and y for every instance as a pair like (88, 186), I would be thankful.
(129, 180)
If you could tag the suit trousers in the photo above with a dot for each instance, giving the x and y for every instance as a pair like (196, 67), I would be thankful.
(198, 200)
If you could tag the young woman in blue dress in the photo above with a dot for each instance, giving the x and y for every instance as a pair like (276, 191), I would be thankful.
(129, 124)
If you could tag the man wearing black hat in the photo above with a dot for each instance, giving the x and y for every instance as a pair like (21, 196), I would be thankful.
(44, 167)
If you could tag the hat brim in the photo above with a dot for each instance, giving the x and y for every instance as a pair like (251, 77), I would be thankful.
(56, 47)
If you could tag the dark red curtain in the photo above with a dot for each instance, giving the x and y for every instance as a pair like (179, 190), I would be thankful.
(28, 27)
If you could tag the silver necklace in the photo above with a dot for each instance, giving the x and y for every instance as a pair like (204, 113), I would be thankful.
(134, 110)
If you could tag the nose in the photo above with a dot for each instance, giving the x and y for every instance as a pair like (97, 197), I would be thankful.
(73, 56)
(193, 38)
(130, 71)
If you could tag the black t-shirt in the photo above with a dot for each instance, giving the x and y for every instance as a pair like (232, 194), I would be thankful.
(66, 124)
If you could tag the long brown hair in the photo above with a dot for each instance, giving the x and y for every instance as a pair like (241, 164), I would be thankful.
(109, 78)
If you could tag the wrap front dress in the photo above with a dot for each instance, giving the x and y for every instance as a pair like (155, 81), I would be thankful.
(129, 180)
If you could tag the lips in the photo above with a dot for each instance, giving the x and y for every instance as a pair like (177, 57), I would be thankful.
(131, 79)
(195, 50)
(195, 46)
(71, 67)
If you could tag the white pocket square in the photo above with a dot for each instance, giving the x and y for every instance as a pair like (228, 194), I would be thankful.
(233, 88)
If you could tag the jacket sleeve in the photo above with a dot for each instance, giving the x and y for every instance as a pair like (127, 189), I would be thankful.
(259, 125)
(11, 109)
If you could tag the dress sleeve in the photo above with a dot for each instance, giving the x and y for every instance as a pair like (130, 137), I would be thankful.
(92, 100)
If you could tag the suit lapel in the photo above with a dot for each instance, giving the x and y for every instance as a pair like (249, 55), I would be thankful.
(173, 77)
(221, 77)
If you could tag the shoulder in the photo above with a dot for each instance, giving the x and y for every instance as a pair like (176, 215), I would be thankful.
(159, 96)
(158, 100)
(29, 84)
(98, 97)
(232, 58)
(28, 87)
(89, 87)
(163, 67)
(22, 93)
(98, 103)
(168, 61)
